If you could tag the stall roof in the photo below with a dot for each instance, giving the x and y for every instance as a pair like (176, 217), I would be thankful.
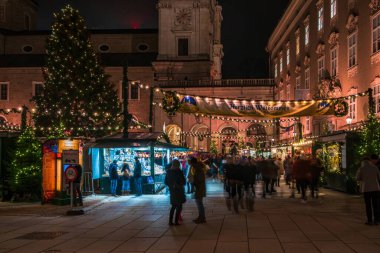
(140, 139)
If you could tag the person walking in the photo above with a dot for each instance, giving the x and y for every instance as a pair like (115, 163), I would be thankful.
(114, 176)
(288, 164)
(175, 180)
(200, 189)
(137, 177)
(77, 193)
(316, 169)
(369, 176)
(126, 187)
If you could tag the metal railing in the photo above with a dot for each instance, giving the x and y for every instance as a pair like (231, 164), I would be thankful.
(88, 184)
(216, 83)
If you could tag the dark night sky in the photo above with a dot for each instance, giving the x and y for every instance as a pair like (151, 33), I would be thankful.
(246, 27)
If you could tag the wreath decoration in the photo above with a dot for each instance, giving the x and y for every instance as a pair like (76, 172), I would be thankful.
(170, 102)
(340, 108)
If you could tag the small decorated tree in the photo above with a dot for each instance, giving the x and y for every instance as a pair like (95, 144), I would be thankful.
(26, 166)
(370, 134)
(213, 147)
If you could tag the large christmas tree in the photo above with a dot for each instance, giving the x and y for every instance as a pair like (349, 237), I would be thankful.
(77, 93)
(26, 166)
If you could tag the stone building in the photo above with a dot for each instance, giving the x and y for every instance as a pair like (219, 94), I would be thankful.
(184, 54)
(327, 48)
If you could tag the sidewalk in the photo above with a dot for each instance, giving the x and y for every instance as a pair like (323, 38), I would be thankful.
(332, 223)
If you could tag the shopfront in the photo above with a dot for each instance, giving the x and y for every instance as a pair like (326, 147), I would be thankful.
(152, 152)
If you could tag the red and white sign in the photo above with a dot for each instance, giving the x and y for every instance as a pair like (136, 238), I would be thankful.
(71, 174)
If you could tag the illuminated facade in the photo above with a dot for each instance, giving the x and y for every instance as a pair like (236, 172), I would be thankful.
(184, 54)
(327, 39)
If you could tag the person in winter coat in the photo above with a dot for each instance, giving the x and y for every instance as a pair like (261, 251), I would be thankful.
(316, 169)
(301, 170)
(175, 180)
(114, 176)
(369, 176)
(126, 187)
(200, 188)
(137, 176)
(288, 165)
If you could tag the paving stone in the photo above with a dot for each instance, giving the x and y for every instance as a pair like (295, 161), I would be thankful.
(170, 243)
(135, 245)
(199, 246)
(332, 247)
(299, 247)
(265, 246)
(365, 247)
(229, 247)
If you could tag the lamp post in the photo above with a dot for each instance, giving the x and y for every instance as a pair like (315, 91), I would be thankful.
(349, 122)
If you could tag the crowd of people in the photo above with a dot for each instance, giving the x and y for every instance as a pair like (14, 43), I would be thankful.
(239, 175)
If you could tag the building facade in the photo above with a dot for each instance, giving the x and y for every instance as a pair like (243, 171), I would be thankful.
(184, 54)
(327, 49)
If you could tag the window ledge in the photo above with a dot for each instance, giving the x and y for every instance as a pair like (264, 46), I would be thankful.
(351, 72)
(375, 58)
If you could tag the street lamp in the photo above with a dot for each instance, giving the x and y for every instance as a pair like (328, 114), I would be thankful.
(349, 122)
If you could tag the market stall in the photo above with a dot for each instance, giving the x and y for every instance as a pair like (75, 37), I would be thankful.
(151, 150)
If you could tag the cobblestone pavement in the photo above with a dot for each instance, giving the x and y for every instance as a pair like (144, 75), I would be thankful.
(332, 223)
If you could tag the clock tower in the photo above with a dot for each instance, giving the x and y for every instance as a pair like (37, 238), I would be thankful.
(18, 15)
(189, 45)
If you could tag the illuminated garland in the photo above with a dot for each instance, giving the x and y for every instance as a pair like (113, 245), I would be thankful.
(11, 110)
(235, 119)
(361, 94)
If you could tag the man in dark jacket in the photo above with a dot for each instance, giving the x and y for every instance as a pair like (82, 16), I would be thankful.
(114, 176)
(175, 180)
(76, 184)
(137, 177)
(200, 188)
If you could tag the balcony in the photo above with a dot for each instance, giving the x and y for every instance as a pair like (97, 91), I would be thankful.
(216, 83)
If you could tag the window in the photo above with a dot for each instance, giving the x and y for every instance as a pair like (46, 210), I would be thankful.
(134, 92)
(183, 47)
(376, 97)
(352, 50)
(4, 90)
(275, 70)
(320, 19)
(298, 44)
(38, 88)
(307, 34)
(307, 78)
(133, 89)
(332, 8)
(298, 82)
(321, 67)
(307, 122)
(282, 96)
(376, 34)
(334, 61)
(288, 56)
(104, 48)
(2, 13)
(352, 108)
(27, 22)
(288, 91)
(281, 66)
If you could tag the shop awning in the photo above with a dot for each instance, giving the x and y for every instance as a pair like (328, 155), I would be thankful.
(140, 139)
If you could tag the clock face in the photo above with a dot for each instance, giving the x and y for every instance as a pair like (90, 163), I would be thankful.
(183, 17)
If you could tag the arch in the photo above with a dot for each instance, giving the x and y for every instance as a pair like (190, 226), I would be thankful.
(256, 129)
(174, 133)
(3, 120)
(228, 145)
(200, 143)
